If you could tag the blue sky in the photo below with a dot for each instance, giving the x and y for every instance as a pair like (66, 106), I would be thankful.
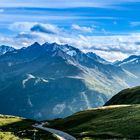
(97, 25)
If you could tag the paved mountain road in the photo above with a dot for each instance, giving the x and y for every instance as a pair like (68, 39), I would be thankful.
(59, 134)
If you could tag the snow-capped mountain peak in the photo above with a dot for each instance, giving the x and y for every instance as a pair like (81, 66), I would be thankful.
(4, 49)
(133, 59)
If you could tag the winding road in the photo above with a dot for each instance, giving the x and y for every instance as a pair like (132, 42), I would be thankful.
(59, 134)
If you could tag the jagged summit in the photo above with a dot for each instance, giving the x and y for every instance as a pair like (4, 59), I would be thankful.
(51, 80)
(4, 49)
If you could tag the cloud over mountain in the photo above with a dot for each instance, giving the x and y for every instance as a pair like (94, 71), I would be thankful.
(110, 47)
(45, 28)
(82, 28)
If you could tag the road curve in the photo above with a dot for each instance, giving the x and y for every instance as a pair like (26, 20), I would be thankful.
(60, 134)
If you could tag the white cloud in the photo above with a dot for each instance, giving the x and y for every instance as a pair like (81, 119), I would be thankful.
(13, 17)
(53, 4)
(22, 26)
(35, 27)
(82, 28)
(109, 47)
(111, 56)
(46, 28)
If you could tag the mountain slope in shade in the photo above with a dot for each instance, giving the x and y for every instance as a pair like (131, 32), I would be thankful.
(4, 49)
(50, 81)
(127, 96)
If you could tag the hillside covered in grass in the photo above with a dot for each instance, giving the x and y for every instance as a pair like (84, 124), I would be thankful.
(15, 128)
(127, 96)
(120, 121)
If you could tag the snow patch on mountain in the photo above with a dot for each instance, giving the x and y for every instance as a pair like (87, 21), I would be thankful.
(4, 49)
(134, 60)
(29, 77)
(29, 102)
(71, 53)
(38, 80)
(44, 80)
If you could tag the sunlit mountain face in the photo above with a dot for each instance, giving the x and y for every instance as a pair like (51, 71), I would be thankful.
(59, 57)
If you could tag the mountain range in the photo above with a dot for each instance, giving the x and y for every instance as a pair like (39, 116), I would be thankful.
(131, 64)
(51, 80)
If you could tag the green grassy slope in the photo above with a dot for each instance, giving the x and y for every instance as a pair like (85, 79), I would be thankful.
(15, 128)
(106, 122)
(127, 96)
